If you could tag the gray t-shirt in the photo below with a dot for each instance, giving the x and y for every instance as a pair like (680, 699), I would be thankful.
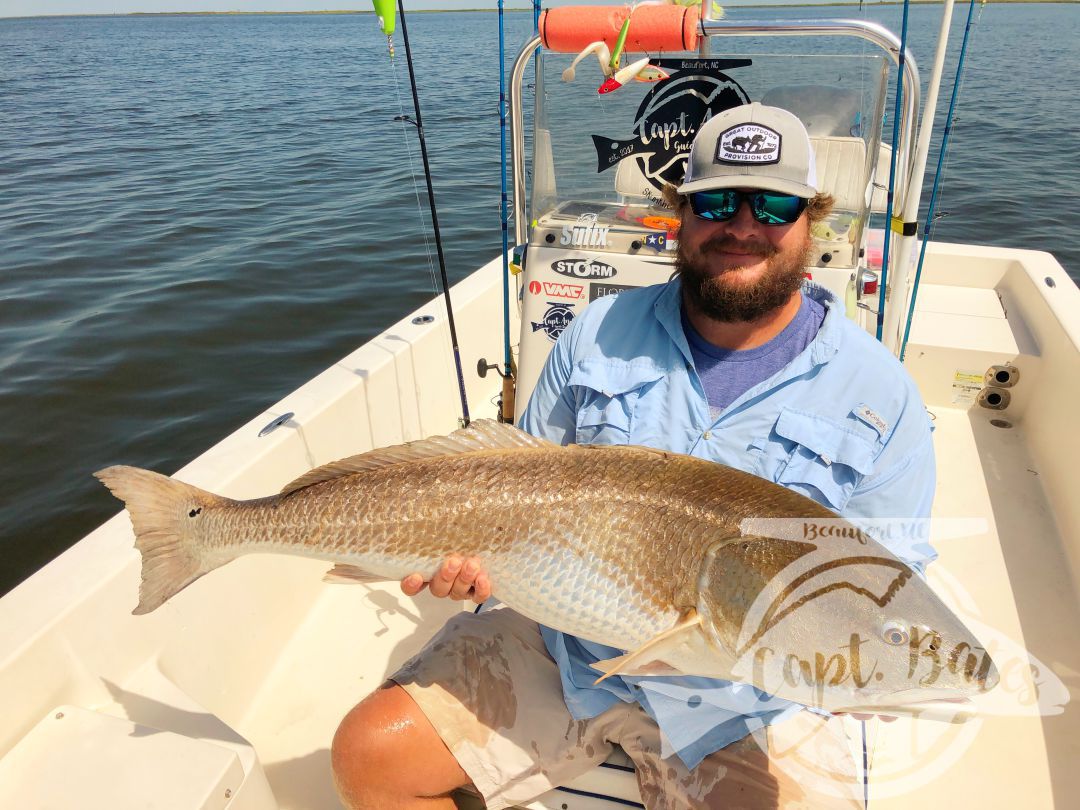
(727, 373)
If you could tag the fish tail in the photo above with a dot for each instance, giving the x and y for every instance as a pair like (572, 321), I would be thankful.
(161, 510)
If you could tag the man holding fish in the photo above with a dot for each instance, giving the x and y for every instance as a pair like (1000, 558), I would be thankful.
(738, 361)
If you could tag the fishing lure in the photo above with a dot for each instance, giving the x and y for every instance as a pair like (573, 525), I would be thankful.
(603, 55)
(384, 11)
(621, 77)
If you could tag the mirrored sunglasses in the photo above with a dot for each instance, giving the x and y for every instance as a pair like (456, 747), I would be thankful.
(767, 207)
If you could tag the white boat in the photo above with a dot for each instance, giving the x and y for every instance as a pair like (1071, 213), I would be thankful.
(229, 694)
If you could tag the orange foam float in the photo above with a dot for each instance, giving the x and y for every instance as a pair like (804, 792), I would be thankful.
(569, 29)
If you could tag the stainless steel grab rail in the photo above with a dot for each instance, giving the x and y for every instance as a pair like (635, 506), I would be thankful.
(861, 29)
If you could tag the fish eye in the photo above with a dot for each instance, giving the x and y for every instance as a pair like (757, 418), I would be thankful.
(894, 633)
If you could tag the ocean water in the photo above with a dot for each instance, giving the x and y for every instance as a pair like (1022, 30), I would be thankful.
(199, 213)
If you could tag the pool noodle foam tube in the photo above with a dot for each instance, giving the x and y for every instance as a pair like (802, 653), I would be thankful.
(569, 29)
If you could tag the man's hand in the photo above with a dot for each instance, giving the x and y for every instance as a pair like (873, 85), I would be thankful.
(457, 579)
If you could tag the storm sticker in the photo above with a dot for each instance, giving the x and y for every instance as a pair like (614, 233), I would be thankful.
(583, 268)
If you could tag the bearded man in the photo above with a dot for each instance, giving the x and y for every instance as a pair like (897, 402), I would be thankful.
(737, 360)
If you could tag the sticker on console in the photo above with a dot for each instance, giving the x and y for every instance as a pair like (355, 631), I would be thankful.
(600, 290)
(556, 319)
(584, 233)
(583, 268)
(556, 289)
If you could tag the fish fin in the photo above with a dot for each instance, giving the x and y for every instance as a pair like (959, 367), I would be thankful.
(650, 651)
(623, 666)
(159, 507)
(345, 574)
(482, 434)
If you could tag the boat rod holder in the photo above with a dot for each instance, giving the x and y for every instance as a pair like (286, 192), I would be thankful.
(862, 29)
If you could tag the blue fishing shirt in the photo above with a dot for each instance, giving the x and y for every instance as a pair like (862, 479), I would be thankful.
(842, 423)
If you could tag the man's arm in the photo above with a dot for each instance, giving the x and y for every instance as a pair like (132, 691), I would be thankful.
(552, 412)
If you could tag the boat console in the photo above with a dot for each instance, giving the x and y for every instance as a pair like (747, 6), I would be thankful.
(600, 163)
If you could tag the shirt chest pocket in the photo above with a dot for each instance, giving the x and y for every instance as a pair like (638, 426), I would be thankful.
(607, 399)
(816, 456)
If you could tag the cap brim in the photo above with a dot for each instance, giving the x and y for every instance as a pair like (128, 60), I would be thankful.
(776, 184)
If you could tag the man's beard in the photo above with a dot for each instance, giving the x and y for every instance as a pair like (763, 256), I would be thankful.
(719, 299)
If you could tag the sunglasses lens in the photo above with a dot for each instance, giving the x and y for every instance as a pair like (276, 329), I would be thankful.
(715, 206)
(768, 207)
(776, 209)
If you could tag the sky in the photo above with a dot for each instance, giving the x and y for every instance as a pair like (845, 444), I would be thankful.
(24, 8)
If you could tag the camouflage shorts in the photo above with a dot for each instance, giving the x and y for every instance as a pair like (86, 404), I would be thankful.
(492, 692)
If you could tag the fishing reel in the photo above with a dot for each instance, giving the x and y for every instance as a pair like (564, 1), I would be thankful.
(506, 400)
(483, 367)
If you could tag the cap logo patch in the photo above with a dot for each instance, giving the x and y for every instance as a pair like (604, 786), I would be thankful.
(748, 143)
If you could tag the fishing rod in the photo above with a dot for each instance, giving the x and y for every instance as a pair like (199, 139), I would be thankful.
(928, 230)
(507, 411)
(385, 11)
(507, 403)
(892, 222)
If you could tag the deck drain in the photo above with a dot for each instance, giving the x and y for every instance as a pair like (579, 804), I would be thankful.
(1001, 423)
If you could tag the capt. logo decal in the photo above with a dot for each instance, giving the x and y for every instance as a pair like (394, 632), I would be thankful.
(667, 120)
(556, 319)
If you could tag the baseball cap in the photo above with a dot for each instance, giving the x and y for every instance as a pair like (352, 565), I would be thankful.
(752, 146)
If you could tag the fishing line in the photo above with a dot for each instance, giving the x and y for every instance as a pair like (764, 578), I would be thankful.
(402, 118)
(928, 229)
(419, 123)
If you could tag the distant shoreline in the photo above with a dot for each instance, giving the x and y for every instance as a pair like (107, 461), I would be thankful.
(491, 10)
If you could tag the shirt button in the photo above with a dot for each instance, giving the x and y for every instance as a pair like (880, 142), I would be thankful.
(707, 434)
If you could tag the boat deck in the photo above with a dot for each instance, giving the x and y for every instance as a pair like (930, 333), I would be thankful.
(1012, 575)
(261, 659)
